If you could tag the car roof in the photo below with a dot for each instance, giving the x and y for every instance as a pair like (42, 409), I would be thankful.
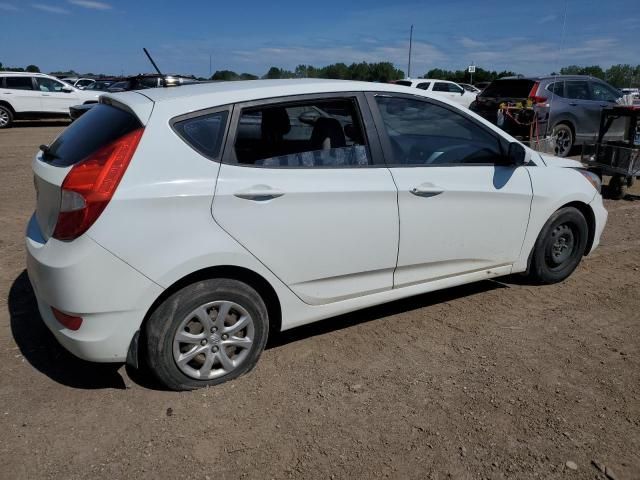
(210, 94)
(35, 74)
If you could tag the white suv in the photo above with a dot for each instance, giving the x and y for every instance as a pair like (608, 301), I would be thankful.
(37, 95)
(179, 226)
(442, 88)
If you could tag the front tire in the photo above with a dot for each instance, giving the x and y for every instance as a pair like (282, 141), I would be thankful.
(6, 117)
(207, 333)
(559, 247)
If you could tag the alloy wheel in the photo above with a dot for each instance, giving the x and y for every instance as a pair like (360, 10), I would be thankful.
(213, 340)
(563, 140)
(4, 118)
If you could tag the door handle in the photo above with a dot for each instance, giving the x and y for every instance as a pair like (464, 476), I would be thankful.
(573, 104)
(46, 95)
(259, 193)
(425, 191)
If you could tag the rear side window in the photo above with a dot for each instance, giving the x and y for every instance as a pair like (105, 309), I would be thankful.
(424, 85)
(404, 83)
(557, 88)
(512, 88)
(204, 133)
(19, 83)
(101, 125)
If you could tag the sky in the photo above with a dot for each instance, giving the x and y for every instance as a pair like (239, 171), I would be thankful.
(107, 36)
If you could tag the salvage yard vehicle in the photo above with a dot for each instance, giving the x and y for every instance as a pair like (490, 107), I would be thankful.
(566, 107)
(443, 88)
(26, 95)
(180, 226)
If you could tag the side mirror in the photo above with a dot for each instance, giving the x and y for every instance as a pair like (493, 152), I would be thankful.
(462, 92)
(516, 154)
(67, 89)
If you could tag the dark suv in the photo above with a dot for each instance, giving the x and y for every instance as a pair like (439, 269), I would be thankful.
(567, 107)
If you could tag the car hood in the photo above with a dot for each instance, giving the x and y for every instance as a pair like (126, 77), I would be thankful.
(552, 161)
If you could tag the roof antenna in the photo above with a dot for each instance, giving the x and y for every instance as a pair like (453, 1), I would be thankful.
(152, 62)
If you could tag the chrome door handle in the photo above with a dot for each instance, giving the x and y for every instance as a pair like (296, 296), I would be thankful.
(46, 95)
(425, 192)
(573, 104)
(259, 193)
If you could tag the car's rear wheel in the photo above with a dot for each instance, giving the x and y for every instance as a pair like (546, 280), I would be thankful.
(6, 117)
(563, 136)
(617, 188)
(559, 247)
(207, 333)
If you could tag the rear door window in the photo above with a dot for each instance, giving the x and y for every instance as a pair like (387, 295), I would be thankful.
(404, 83)
(577, 89)
(512, 88)
(101, 125)
(306, 134)
(19, 83)
(424, 85)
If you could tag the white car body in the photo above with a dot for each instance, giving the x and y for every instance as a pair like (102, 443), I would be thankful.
(441, 88)
(47, 95)
(327, 241)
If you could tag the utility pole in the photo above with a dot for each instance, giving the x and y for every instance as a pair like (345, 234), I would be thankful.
(210, 73)
(410, 45)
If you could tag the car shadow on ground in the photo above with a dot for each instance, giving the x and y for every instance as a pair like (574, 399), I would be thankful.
(40, 123)
(40, 348)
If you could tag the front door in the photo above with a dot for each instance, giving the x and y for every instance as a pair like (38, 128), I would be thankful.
(54, 99)
(303, 188)
(462, 209)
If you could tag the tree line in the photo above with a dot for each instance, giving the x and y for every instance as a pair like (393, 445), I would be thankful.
(621, 75)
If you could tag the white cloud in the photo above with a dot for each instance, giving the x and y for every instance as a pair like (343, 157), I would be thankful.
(548, 19)
(470, 43)
(91, 4)
(50, 8)
(7, 7)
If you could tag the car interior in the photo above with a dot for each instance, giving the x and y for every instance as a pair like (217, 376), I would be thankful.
(319, 133)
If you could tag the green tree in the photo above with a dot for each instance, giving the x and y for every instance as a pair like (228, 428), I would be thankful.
(622, 75)
(224, 75)
(248, 76)
(32, 69)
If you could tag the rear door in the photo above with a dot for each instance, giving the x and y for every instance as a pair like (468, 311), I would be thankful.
(20, 92)
(303, 188)
(462, 210)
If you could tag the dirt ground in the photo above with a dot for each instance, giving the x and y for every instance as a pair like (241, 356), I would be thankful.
(492, 380)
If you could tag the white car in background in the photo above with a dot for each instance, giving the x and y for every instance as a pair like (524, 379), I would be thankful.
(192, 221)
(442, 88)
(80, 83)
(26, 95)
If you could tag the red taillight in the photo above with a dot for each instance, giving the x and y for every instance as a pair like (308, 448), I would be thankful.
(90, 184)
(68, 321)
(533, 94)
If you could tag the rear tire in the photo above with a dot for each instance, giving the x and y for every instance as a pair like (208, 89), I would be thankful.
(564, 140)
(206, 333)
(6, 117)
(617, 188)
(559, 247)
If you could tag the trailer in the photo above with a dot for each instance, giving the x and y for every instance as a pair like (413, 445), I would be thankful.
(618, 159)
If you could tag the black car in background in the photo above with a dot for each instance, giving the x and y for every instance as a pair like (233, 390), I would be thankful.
(138, 82)
(567, 107)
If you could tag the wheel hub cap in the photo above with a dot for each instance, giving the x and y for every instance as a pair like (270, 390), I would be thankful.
(562, 244)
(213, 340)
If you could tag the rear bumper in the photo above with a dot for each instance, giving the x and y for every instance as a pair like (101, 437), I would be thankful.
(83, 279)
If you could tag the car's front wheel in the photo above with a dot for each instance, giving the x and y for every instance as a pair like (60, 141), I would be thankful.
(6, 117)
(207, 333)
(559, 247)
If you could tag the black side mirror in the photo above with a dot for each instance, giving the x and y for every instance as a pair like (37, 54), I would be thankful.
(516, 154)
(67, 89)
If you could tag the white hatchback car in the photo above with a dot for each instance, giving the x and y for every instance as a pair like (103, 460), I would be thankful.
(179, 226)
(26, 95)
(442, 88)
